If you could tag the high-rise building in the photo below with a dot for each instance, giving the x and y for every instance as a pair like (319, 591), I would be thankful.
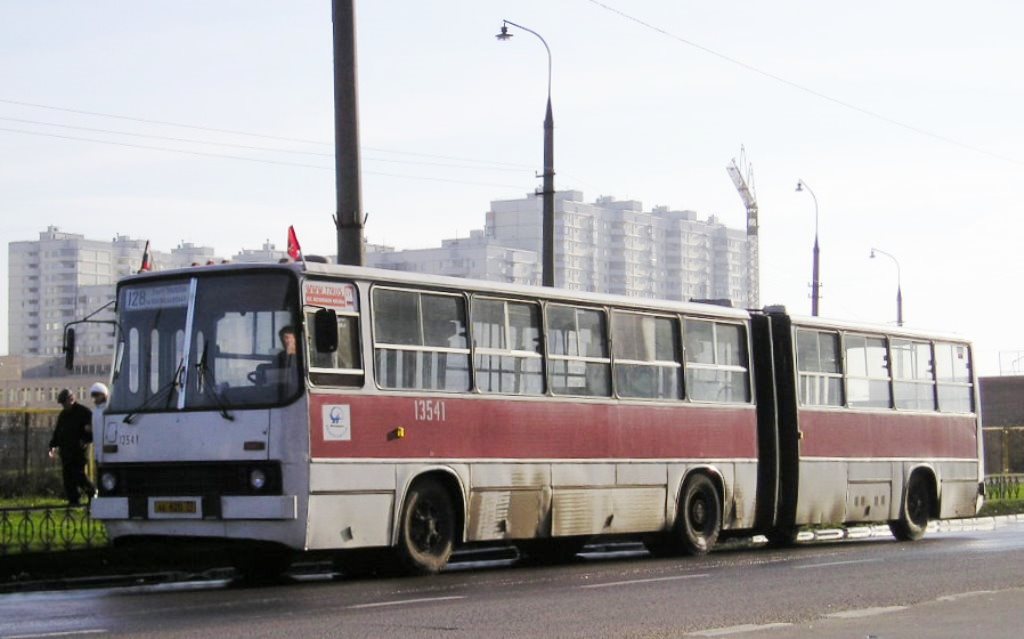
(607, 246)
(63, 276)
(268, 253)
(477, 257)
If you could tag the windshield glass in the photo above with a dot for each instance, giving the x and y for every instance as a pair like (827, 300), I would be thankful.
(244, 346)
(151, 348)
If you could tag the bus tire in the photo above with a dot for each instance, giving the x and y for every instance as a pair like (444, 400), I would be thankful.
(699, 520)
(426, 535)
(917, 504)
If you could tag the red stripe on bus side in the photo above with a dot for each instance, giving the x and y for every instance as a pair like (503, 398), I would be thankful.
(502, 429)
(868, 434)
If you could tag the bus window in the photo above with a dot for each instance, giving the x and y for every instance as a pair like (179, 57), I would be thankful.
(578, 351)
(646, 350)
(343, 367)
(716, 362)
(953, 374)
(867, 372)
(913, 385)
(420, 340)
(506, 347)
(819, 368)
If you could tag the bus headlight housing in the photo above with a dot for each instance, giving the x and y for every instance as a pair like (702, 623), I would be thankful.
(257, 479)
(108, 481)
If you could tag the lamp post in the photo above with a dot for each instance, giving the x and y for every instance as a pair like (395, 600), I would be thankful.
(815, 282)
(899, 285)
(548, 192)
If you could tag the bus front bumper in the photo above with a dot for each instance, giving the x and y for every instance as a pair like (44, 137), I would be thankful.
(279, 507)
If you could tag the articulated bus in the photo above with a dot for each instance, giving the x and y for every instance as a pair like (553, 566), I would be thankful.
(317, 407)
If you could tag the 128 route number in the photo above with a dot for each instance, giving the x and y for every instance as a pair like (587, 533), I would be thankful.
(429, 410)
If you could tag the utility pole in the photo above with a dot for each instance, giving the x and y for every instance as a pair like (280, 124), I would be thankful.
(348, 219)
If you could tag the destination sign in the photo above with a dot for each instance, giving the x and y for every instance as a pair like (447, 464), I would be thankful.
(155, 297)
(339, 296)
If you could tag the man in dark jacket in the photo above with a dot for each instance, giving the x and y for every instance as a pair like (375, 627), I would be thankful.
(71, 437)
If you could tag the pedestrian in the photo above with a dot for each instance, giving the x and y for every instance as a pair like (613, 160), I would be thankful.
(100, 396)
(71, 437)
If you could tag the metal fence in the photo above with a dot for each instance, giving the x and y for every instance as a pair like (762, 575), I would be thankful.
(25, 468)
(1004, 487)
(49, 528)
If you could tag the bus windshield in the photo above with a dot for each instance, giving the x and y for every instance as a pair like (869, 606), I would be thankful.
(208, 342)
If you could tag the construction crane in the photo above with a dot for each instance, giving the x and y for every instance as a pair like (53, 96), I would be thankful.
(742, 174)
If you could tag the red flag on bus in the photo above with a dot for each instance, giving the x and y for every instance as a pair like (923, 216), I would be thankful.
(147, 262)
(294, 250)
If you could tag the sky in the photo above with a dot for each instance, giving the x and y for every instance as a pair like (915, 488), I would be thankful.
(903, 118)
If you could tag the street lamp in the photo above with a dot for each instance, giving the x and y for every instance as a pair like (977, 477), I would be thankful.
(548, 192)
(899, 286)
(815, 282)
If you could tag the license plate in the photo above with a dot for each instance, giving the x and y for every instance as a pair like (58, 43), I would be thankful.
(182, 508)
(175, 507)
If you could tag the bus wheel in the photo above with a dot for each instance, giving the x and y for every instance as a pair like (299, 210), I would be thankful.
(700, 516)
(913, 519)
(427, 532)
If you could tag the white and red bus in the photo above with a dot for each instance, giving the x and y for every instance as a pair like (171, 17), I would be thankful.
(331, 408)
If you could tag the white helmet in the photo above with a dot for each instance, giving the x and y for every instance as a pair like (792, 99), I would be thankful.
(99, 387)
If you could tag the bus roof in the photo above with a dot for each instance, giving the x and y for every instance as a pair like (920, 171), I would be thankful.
(394, 277)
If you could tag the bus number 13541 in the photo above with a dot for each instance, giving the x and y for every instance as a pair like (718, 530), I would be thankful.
(429, 410)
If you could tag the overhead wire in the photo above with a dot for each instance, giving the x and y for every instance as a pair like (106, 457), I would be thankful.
(245, 146)
(225, 156)
(36, 105)
(800, 87)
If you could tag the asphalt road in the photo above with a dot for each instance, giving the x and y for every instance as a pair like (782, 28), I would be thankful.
(951, 584)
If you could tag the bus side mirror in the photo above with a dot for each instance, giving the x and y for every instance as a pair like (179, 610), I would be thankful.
(69, 348)
(325, 327)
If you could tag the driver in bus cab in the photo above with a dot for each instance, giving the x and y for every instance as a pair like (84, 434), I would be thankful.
(287, 357)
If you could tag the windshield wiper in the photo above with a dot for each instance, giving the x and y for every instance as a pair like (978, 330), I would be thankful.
(203, 371)
(170, 388)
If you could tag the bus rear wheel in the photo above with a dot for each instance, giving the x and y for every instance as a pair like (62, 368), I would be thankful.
(917, 505)
(426, 535)
(700, 515)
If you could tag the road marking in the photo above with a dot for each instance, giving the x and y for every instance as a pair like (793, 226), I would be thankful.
(865, 612)
(964, 595)
(69, 633)
(735, 630)
(836, 563)
(643, 581)
(402, 602)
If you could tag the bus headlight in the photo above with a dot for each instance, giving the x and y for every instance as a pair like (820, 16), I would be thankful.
(257, 479)
(108, 481)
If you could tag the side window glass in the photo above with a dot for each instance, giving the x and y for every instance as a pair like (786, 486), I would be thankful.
(646, 356)
(506, 347)
(818, 367)
(343, 367)
(420, 340)
(953, 376)
(716, 362)
(912, 371)
(867, 372)
(578, 351)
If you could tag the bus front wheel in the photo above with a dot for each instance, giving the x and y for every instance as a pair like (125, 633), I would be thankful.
(427, 528)
(700, 515)
(917, 506)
